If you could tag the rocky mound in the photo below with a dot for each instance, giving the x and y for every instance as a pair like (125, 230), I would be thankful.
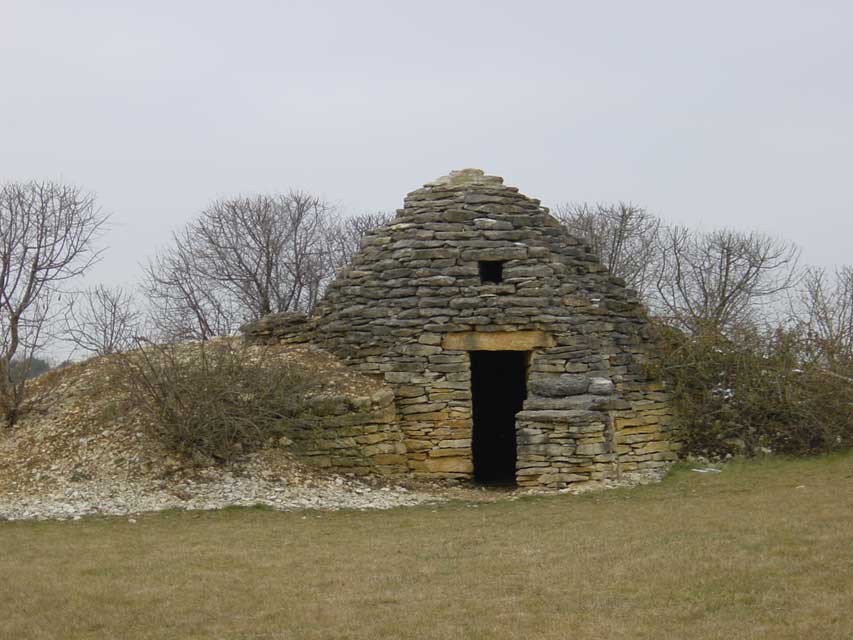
(83, 449)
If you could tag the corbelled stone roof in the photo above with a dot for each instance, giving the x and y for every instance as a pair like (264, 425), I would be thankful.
(471, 190)
(417, 298)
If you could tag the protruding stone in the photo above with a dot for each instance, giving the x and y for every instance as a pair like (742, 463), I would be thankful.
(601, 386)
(465, 177)
(559, 386)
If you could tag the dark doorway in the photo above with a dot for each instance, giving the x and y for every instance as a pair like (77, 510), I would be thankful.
(498, 389)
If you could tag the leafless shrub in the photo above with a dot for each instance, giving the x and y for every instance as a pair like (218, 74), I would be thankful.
(102, 320)
(213, 399)
(623, 236)
(47, 237)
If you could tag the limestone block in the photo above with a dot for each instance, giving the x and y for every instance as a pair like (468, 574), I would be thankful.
(653, 447)
(559, 386)
(530, 471)
(591, 449)
(444, 465)
(571, 416)
(418, 445)
(601, 386)
(505, 253)
(387, 459)
(497, 340)
(420, 349)
(490, 223)
(422, 408)
(524, 439)
(561, 479)
(457, 452)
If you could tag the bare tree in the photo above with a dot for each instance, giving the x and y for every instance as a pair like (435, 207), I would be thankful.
(622, 235)
(102, 320)
(183, 302)
(825, 316)
(241, 259)
(47, 237)
(720, 278)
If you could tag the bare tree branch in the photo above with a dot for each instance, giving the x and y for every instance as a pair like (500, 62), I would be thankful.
(823, 310)
(719, 278)
(345, 237)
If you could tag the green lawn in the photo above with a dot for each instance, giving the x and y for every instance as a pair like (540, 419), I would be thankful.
(762, 550)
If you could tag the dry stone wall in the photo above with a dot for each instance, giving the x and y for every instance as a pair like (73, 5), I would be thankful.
(414, 302)
(351, 433)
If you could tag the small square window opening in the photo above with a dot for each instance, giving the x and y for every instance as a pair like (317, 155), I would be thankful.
(491, 272)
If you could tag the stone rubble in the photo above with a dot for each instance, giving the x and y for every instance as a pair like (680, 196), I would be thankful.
(111, 498)
(108, 498)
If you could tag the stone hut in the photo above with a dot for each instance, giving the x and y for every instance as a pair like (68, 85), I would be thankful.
(511, 353)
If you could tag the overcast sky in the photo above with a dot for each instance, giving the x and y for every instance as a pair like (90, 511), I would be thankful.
(734, 114)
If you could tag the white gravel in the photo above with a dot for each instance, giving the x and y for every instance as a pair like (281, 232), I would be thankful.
(109, 499)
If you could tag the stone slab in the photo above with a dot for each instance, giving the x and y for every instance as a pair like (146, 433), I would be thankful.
(497, 340)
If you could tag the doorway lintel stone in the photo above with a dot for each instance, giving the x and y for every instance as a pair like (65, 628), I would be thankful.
(497, 340)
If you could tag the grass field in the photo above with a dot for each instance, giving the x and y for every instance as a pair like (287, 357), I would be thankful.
(762, 550)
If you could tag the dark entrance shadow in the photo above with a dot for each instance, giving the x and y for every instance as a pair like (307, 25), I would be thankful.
(498, 390)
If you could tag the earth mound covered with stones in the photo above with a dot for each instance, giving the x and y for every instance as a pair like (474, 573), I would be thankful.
(83, 449)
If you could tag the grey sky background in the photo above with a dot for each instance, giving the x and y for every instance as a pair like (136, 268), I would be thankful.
(710, 114)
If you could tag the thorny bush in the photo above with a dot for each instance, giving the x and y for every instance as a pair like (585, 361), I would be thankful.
(214, 399)
(751, 391)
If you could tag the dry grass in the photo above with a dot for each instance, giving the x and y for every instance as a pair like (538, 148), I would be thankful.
(763, 550)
